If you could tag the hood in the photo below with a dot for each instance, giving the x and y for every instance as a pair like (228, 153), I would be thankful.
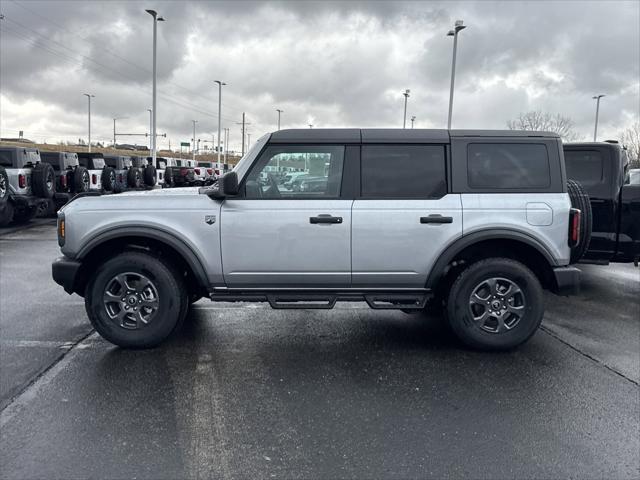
(162, 192)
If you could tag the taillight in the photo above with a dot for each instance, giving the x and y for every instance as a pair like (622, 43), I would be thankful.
(184, 171)
(197, 170)
(209, 171)
(63, 181)
(574, 227)
(217, 172)
(22, 181)
(94, 179)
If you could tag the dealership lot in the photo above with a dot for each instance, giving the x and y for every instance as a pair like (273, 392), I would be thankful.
(246, 391)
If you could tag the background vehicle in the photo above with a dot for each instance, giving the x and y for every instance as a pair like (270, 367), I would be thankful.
(127, 176)
(289, 178)
(633, 176)
(392, 238)
(179, 173)
(102, 177)
(203, 173)
(161, 165)
(71, 177)
(26, 184)
(601, 169)
(147, 171)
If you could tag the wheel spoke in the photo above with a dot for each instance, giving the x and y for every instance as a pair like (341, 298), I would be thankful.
(477, 299)
(121, 317)
(150, 302)
(482, 318)
(139, 318)
(109, 297)
(493, 285)
(519, 310)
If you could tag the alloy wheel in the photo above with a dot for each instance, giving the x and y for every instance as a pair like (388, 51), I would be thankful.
(131, 300)
(497, 305)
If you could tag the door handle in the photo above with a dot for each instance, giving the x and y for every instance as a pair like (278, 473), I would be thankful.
(436, 218)
(324, 218)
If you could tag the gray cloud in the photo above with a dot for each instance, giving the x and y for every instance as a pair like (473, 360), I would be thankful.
(331, 63)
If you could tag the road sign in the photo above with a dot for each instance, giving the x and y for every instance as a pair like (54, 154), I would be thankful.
(185, 144)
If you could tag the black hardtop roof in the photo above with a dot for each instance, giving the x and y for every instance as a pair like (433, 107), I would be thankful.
(592, 144)
(90, 154)
(17, 149)
(390, 135)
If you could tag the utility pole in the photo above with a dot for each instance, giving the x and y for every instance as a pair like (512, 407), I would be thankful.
(279, 113)
(595, 130)
(459, 25)
(220, 84)
(193, 151)
(248, 140)
(404, 118)
(244, 125)
(89, 97)
(226, 144)
(114, 129)
(413, 119)
(150, 127)
(154, 109)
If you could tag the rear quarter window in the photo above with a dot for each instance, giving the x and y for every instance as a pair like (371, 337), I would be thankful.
(585, 166)
(508, 166)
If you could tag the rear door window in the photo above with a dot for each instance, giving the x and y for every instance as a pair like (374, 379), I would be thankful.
(403, 171)
(585, 166)
(5, 159)
(508, 166)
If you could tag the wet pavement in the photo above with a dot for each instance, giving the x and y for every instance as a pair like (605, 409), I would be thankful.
(245, 391)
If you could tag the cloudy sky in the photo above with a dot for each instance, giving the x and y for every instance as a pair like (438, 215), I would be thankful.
(331, 64)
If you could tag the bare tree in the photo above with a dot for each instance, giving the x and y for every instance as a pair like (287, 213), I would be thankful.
(542, 121)
(630, 138)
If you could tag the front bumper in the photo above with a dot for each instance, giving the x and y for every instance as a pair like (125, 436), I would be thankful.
(65, 273)
(567, 280)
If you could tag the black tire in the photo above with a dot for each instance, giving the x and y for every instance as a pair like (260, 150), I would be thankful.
(168, 177)
(6, 213)
(108, 179)
(43, 180)
(149, 175)
(4, 186)
(81, 180)
(476, 278)
(171, 294)
(580, 200)
(134, 179)
(24, 215)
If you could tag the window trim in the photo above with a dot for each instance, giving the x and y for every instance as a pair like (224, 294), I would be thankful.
(446, 160)
(492, 187)
(341, 194)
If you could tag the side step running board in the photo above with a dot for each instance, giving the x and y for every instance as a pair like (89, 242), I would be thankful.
(302, 301)
(396, 301)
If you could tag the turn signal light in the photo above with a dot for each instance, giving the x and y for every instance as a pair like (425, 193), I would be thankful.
(22, 181)
(574, 227)
(61, 230)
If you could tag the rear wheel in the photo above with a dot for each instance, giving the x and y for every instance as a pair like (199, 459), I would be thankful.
(495, 304)
(108, 179)
(4, 186)
(133, 178)
(43, 180)
(136, 300)
(149, 175)
(81, 181)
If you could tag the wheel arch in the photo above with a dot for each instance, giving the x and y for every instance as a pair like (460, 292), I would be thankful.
(155, 240)
(494, 243)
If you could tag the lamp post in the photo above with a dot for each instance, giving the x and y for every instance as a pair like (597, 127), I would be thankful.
(150, 126)
(404, 118)
(413, 119)
(154, 110)
(114, 129)
(220, 84)
(226, 144)
(89, 97)
(279, 113)
(595, 130)
(193, 152)
(459, 25)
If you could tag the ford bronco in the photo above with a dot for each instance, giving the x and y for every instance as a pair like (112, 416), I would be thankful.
(480, 220)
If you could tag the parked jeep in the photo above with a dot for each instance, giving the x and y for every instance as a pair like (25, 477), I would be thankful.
(102, 177)
(26, 184)
(127, 176)
(479, 219)
(601, 168)
(71, 177)
(179, 173)
(161, 165)
(203, 173)
(147, 171)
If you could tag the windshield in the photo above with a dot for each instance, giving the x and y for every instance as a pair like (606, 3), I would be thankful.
(245, 162)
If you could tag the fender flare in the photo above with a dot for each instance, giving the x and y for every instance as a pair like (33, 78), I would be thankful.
(154, 233)
(465, 241)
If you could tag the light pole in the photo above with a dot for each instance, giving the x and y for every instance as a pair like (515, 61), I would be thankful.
(413, 119)
(597, 99)
(150, 127)
(404, 118)
(226, 144)
(453, 33)
(114, 129)
(220, 84)
(154, 113)
(193, 152)
(279, 113)
(89, 97)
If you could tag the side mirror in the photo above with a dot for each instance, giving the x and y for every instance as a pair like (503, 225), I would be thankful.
(227, 186)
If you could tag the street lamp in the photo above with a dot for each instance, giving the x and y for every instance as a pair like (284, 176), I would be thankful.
(453, 33)
(150, 126)
(279, 113)
(154, 113)
(114, 129)
(220, 84)
(89, 97)
(597, 99)
(404, 118)
(311, 125)
(413, 119)
(226, 145)
(193, 152)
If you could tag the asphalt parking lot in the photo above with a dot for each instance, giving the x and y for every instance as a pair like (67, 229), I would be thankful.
(246, 392)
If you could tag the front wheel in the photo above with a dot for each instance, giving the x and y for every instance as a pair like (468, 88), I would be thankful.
(135, 300)
(495, 304)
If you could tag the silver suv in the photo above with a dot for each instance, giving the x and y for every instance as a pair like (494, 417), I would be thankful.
(474, 222)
